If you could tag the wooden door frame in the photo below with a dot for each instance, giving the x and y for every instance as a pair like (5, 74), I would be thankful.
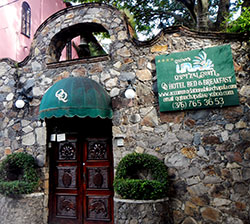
(50, 147)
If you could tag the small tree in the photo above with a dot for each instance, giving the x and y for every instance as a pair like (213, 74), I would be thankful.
(241, 24)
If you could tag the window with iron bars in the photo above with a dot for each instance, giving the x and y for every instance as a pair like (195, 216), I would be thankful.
(26, 19)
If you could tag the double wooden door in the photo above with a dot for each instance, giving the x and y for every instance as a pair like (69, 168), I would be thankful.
(81, 176)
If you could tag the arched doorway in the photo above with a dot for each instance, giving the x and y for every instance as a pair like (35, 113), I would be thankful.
(79, 132)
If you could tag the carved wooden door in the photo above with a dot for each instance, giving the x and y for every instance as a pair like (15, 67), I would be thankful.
(97, 187)
(81, 177)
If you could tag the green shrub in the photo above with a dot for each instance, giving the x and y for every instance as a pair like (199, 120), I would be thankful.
(18, 175)
(242, 24)
(128, 185)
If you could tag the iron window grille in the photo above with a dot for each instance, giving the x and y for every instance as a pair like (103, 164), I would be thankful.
(26, 19)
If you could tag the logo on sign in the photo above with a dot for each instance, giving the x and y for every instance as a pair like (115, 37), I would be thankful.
(62, 95)
(199, 64)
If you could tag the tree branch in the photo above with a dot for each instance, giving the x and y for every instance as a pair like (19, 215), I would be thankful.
(190, 5)
(223, 12)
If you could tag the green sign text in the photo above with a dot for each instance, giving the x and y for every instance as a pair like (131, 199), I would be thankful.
(196, 79)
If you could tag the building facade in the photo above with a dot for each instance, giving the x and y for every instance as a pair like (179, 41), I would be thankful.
(78, 142)
(19, 22)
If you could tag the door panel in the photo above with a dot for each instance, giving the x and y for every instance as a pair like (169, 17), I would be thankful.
(98, 200)
(64, 180)
(97, 178)
(67, 176)
(98, 209)
(97, 150)
(81, 181)
(66, 206)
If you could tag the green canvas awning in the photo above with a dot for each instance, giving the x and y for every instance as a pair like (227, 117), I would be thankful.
(76, 96)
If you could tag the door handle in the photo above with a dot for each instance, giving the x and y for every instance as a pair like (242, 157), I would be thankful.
(84, 177)
(84, 173)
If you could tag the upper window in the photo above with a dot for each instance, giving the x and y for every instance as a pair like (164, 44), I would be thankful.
(80, 41)
(26, 19)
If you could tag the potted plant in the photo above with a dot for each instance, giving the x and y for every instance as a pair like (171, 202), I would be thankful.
(18, 175)
(141, 182)
(18, 181)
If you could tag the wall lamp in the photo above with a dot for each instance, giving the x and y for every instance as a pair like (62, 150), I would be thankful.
(24, 98)
(130, 91)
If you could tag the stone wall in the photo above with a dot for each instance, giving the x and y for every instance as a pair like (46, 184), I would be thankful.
(141, 211)
(28, 209)
(207, 151)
